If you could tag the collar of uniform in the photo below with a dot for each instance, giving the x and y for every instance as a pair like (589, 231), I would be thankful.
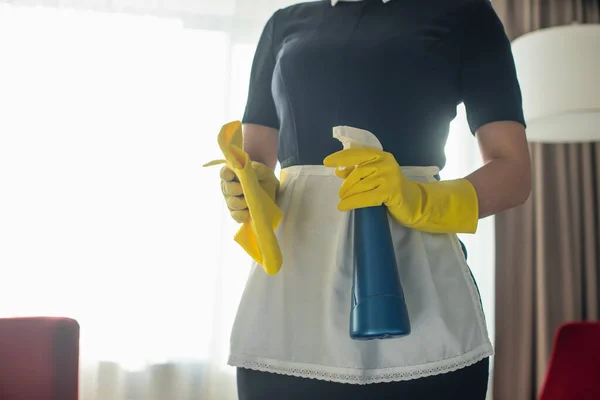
(334, 2)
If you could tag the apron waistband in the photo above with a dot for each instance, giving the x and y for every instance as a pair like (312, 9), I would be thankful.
(409, 172)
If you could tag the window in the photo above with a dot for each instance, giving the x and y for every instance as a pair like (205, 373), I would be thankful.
(106, 213)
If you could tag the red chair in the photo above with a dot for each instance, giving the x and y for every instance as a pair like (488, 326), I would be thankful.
(574, 370)
(39, 359)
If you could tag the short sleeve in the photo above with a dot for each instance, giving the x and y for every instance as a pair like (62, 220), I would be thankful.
(260, 107)
(488, 81)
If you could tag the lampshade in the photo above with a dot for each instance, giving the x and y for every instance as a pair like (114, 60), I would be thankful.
(559, 73)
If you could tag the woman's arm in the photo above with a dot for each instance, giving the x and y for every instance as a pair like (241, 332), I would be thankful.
(505, 179)
(260, 142)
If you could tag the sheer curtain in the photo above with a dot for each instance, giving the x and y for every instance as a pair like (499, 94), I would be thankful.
(463, 157)
(108, 109)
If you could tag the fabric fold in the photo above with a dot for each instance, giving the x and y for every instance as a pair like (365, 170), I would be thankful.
(256, 235)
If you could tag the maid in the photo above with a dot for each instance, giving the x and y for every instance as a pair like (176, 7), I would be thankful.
(396, 68)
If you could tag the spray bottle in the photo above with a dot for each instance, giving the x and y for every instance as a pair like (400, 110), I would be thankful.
(378, 308)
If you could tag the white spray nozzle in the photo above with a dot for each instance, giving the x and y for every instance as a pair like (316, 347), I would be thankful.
(354, 137)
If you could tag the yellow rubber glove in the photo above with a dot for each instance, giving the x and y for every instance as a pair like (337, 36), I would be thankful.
(234, 193)
(373, 177)
(257, 233)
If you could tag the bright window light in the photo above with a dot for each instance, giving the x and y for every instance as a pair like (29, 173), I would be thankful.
(106, 214)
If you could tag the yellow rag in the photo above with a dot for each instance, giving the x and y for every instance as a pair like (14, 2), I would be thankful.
(257, 234)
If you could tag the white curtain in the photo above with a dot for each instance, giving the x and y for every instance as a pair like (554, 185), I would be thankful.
(108, 109)
(463, 157)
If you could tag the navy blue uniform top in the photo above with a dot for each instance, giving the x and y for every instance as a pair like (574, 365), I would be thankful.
(398, 69)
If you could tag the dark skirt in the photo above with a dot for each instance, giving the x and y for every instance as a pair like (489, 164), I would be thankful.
(469, 383)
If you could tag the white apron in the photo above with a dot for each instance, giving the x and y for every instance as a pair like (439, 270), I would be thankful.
(297, 322)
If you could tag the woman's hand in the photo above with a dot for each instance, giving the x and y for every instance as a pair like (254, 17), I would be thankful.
(373, 177)
(234, 194)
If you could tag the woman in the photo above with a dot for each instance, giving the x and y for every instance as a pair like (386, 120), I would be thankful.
(397, 68)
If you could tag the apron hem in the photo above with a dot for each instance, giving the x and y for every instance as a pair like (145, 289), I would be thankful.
(361, 376)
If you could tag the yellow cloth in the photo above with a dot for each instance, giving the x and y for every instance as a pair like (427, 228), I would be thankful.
(373, 177)
(257, 233)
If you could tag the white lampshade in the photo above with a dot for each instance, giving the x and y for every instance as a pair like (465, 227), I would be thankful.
(559, 73)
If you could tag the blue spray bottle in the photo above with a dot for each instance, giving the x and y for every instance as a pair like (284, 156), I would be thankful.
(378, 308)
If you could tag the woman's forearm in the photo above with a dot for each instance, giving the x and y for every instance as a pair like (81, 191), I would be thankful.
(501, 185)
(260, 143)
(504, 181)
